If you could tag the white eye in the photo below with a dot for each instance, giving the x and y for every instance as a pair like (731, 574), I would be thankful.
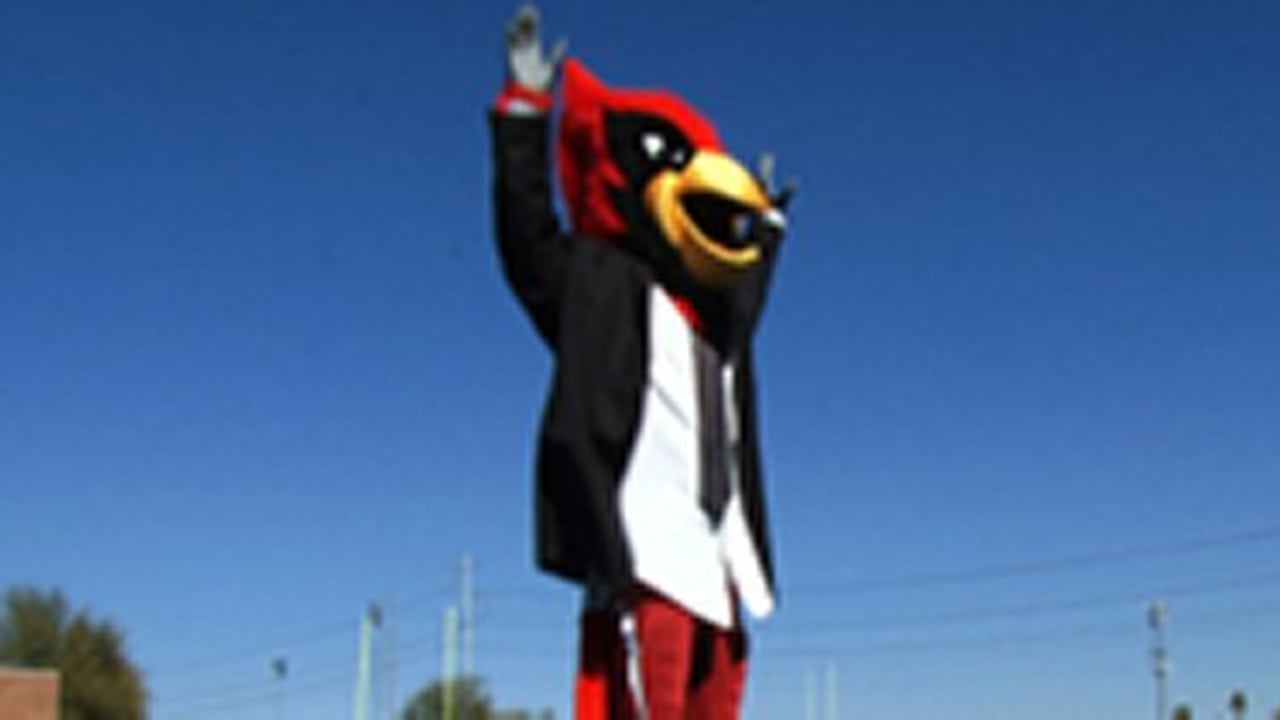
(679, 156)
(653, 145)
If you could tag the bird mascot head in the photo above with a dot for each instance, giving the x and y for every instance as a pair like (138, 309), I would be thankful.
(643, 167)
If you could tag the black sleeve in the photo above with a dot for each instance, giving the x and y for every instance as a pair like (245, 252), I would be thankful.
(534, 252)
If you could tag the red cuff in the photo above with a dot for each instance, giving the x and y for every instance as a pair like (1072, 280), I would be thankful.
(511, 92)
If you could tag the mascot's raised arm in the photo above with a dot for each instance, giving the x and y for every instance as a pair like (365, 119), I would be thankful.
(649, 491)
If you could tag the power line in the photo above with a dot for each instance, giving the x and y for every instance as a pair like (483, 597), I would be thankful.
(302, 638)
(1052, 564)
(1034, 609)
(330, 631)
(220, 705)
(213, 704)
(828, 644)
(333, 673)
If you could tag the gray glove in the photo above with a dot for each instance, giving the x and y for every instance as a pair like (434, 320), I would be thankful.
(527, 66)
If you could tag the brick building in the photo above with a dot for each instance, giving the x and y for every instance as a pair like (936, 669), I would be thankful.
(28, 694)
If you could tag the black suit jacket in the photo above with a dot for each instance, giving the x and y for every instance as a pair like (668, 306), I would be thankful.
(588, 299)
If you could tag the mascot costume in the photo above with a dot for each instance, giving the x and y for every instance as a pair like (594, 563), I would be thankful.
(649, 490)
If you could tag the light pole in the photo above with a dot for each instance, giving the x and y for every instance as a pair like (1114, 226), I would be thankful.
(364, 662)
(448, 699)
(466, 617)
(280, 669)
(1159, 655)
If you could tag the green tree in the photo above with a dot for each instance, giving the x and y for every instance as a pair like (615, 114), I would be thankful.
(1238, 704)
(470, 700)
(98, 680)
(1182, 712)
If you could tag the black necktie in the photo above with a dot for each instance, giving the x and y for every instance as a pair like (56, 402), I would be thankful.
(714, 449)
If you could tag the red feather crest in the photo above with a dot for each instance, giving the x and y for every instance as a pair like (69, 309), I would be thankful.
(588, 174)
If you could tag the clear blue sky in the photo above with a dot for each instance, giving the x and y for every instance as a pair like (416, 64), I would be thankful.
(1020, 373)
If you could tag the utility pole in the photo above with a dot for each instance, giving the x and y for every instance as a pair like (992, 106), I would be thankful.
(1156, 613)
(810, 693)
(388, 652)
(830, 691)
(833, 693)
(371, 621)
(468, 617)
(448, 699)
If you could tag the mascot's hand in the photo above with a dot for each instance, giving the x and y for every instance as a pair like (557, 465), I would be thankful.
(776, 217)
(527, 66)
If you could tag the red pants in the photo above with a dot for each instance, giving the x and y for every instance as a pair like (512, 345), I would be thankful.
(691, 670)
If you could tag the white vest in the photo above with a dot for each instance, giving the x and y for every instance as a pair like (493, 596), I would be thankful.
(673, 545)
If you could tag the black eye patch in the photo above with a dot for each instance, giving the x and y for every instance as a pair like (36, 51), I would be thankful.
(644, 145)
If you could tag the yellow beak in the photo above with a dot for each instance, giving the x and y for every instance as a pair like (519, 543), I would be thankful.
(704, 210)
